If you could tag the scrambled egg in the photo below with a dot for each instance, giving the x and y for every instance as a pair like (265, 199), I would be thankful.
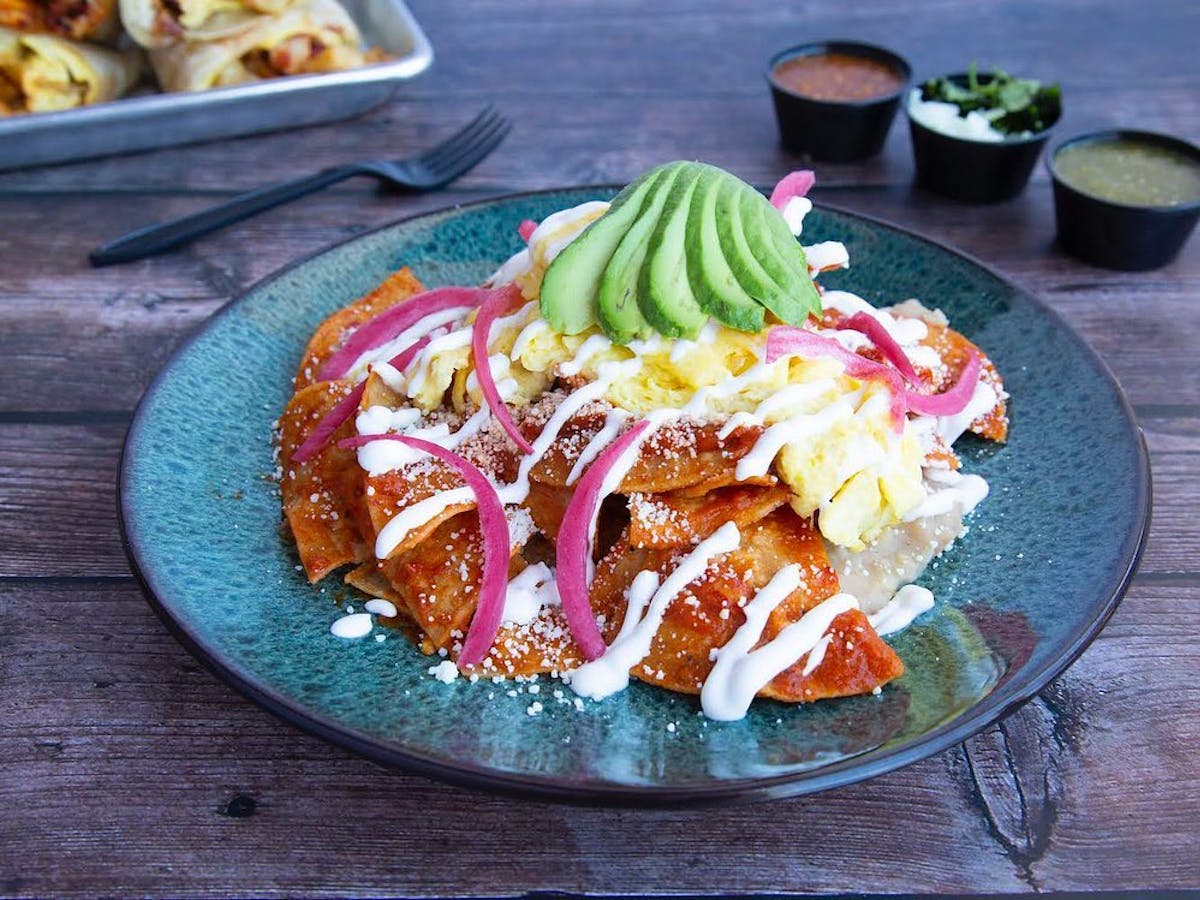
(855, 469)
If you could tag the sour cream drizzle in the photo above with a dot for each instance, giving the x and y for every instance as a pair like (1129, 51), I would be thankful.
(698, 405)
(594, 345)
(613, 423)
(418, 514)
(380, 607)
(951, 428)
(528, 592)
(794, 212)
(617, 471)
(352, 626)
(648, 602)
(907, 331)
(740, 672)
(382, 456)
(903, 330)
(571, 404)
(827, 255)
(405, 339)
(816, 655)
(908, 603)
(379, 457)
(947, 491)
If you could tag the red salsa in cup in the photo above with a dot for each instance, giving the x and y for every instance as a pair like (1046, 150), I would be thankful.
(837, 77)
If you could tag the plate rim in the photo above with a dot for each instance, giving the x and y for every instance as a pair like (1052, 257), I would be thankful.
(1000, 703)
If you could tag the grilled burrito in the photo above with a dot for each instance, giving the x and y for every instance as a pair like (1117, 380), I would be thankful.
(161, 23)
(309, 36)
(44, 72)
(81, 20)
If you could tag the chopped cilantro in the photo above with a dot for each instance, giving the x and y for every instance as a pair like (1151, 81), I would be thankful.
(1014, 105)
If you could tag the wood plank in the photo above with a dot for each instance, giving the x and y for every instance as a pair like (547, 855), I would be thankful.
(60, 326)
(573, 78)
(120, 768)
(58, 502)
(58, 506)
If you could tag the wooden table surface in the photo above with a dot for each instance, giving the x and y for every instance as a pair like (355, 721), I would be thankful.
(126, 768)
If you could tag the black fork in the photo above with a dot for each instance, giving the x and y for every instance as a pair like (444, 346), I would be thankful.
(450, 159)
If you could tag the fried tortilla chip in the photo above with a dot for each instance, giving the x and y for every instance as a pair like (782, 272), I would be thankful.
(323, 496)
(727, 478)
(954, 350)
(388, 494)
(542, 646)
(547, 505)
(708, 613)
(661, 521)
(376, 392)
(368, 578)
(678, 455)
(856, 661)
(437, 581)
(331, 333)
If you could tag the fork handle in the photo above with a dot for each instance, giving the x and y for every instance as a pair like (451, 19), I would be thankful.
(176, 232)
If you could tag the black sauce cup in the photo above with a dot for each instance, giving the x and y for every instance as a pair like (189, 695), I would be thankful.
(970, 170)
(1117, 235)
(836, 130)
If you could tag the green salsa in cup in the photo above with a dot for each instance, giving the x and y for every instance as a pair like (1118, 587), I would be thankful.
(1133, 172)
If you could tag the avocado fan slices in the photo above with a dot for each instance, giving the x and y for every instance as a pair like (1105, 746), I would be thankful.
(683, 242)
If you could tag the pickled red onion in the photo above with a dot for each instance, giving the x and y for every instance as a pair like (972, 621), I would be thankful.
(794, 184)
(952, 401)
(526, 229)
(498, 301)
(575, 543)
(497, 544)
(394, 321)
(788, 339)
(400, 361)
(315, 442)
(883, 340)
(361, 440)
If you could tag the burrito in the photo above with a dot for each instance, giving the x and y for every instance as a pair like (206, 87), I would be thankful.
(80, 20)
(43, 73)
(161, 23)
(308, 37)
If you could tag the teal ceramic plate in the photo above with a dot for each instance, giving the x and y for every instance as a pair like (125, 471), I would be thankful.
(1048, 555)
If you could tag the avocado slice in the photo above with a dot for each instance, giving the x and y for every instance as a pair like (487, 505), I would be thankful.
(742, 259)
(664, 294)
(713, 283)
(616, 298)
(568, 294)
(781, 255)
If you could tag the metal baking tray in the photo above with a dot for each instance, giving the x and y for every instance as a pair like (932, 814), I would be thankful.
(152, 120)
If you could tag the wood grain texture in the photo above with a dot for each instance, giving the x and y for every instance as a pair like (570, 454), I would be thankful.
(126, 769)
(136, 740)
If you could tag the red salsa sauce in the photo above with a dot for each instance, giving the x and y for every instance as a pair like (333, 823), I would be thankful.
(837, 77)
